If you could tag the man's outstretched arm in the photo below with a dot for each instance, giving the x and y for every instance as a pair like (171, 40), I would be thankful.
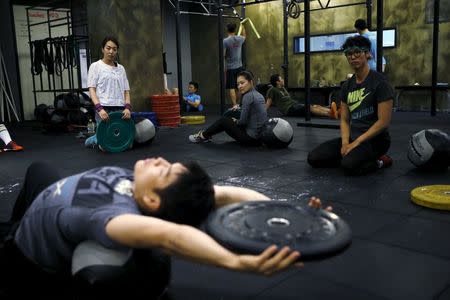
(138, 231)
(225, 195)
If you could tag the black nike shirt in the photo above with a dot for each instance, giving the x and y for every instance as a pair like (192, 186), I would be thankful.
(363, 98)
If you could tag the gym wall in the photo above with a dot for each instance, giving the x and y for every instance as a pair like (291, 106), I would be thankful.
(409, 62)
(137, 26)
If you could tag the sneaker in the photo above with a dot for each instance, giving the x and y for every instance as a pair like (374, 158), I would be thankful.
(12, 146)
(334, 113)
(198, 138)
(91, 142)
(384, 161)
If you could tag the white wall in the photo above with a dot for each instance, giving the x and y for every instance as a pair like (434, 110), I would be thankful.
(38, 32)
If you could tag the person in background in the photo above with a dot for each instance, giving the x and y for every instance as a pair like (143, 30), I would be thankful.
(278, 96)
(247, 130)
(193, 100)
(233, 57)
(361, 28)
(108, 86)
(10, 145)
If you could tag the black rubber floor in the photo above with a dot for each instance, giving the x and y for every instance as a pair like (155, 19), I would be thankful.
(399, 250)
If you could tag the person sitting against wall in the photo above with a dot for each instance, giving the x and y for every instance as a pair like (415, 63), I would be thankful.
(278, 96)
(193, 100)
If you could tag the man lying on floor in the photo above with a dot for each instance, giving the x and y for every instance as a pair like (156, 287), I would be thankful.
(152, 210)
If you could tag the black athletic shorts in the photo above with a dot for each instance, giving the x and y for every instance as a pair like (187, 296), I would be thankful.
(231, 78)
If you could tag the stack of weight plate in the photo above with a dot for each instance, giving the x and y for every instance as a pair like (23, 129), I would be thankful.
(167, 109)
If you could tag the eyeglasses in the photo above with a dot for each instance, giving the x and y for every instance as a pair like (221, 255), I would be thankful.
(356, 52)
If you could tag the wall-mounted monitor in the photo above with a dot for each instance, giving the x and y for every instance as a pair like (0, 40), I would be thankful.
(333, 42)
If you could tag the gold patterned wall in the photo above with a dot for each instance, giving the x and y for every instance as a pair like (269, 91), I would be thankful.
(137, 26)
(409, 62)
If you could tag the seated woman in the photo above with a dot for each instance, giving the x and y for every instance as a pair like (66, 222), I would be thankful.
(247, 130)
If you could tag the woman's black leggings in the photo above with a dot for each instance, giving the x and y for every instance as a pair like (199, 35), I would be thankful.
(361, 160)
(232, 129)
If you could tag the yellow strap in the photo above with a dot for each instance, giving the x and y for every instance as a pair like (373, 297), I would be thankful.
(251, 25)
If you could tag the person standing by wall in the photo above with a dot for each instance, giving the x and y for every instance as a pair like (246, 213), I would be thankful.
(108, 85)
(233, 60)
(361, 28)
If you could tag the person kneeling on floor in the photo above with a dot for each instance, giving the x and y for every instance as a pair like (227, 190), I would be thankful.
(366, 109)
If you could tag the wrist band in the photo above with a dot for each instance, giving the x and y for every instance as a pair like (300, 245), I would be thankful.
(98, 107)
(128, 106)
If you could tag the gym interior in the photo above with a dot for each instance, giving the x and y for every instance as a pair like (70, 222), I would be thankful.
(398, 248)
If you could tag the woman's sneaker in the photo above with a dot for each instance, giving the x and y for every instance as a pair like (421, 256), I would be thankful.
(12, 146)
(198, 138)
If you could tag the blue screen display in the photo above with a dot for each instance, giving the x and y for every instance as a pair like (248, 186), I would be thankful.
(333, 42)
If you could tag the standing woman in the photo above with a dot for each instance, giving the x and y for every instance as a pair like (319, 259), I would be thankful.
(108, 85)
(247, 130)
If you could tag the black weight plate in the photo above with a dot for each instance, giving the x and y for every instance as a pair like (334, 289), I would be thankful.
(252, 226)
(116, 134)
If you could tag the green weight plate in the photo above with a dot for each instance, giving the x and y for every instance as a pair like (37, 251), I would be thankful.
(432, 196)
(116, 134)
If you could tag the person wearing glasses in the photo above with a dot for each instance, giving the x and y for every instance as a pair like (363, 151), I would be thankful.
(366, 108)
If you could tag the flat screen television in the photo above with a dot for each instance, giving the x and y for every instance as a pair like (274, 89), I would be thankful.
(333, 42)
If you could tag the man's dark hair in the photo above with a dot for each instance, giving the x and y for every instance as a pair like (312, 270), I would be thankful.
(357, 41)
(247, 75)
(231, 28)
(188, 200)
(360, 24)
(274, 78)
(194, 83)
(110, 38)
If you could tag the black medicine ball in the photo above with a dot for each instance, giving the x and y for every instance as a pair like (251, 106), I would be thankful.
(429, 149)
(277, 133)
(59, 102)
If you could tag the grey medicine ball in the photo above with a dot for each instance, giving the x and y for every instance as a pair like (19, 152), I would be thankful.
(145, 131)
(429, 149)
(277, 133)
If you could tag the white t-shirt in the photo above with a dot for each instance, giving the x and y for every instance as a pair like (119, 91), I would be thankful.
(110, 83)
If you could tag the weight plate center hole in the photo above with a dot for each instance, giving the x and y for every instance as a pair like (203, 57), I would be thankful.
(278, 222)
